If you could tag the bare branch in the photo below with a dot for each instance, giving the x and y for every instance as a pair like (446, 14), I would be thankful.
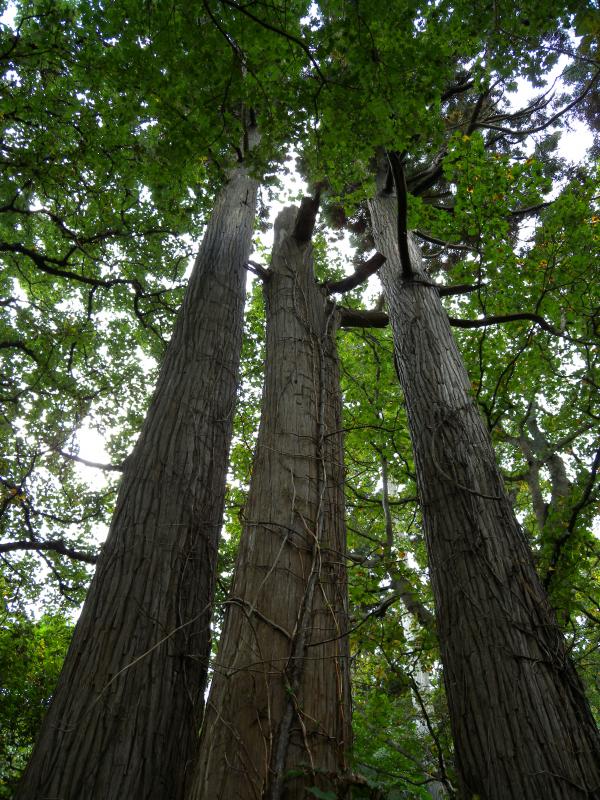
(459, 288)
(546, 123)
(439, 750)
(96, 464)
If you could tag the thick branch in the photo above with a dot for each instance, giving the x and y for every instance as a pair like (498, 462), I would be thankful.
(359, 318)
(356, 318)
(19, 345)
(362, 273)
(497, 320)
(476, 111)
(406, 592)
(526, 111)
(459, 288)
(43, 263)
(524, 212)
(428, 177)
(56, 545)
(462, 85)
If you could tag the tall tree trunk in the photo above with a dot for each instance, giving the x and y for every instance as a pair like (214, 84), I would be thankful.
(279, 699)
(123, 722)
(521, 724)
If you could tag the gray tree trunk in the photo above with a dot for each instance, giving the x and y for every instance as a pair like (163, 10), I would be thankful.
(521, 724)
(123, 721)
(279, 699)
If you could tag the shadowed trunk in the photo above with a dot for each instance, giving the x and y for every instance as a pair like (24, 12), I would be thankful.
(521, 724)
(124, 718)
(279, 700)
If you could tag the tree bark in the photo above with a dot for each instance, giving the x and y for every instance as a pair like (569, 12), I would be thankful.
(279, 700)
(521, 724)
(123, 721)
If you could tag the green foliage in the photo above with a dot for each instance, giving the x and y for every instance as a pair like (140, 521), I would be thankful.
(31, 655)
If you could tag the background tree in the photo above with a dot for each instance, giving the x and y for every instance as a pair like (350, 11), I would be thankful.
(31, 656)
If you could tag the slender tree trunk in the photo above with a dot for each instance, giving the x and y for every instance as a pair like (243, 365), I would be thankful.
(279, 699)
(123, 722)
(521, 724)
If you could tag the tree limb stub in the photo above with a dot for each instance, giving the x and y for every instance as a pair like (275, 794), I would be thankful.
(547, 122)
(257, 269)
(361, 274)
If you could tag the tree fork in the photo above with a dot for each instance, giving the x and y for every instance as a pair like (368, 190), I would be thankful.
(123, 721)
(522, 727)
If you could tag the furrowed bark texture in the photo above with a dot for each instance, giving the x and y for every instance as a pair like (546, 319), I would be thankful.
(123, 722)
(521, 724)
(279, 699)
